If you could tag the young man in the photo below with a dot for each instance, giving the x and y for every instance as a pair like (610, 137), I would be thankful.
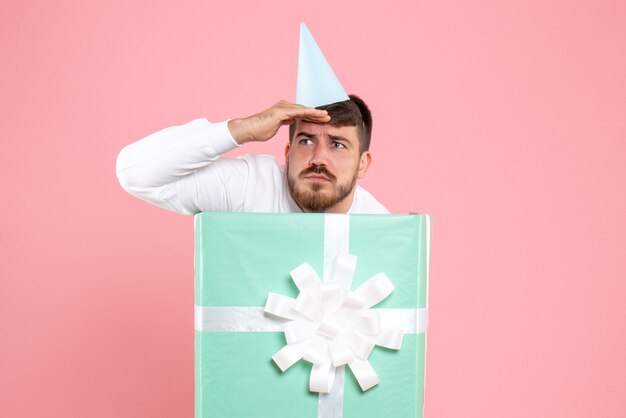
(179, 167)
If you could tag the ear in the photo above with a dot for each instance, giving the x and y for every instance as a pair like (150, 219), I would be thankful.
(287, 152)
(364, 163)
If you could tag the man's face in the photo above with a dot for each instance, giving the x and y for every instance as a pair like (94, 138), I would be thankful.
(323, 164)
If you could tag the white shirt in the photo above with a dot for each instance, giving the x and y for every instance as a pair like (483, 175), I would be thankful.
(179, 169)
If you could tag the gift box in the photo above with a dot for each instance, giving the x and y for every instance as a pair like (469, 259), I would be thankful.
(243, 259)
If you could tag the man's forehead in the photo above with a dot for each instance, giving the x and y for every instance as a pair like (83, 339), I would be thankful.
(321, 129)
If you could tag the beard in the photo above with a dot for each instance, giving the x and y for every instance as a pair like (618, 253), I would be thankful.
(313, 197)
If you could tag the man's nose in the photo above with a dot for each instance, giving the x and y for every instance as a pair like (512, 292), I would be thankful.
(319, 156)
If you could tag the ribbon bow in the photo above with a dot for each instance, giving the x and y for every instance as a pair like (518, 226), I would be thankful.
(330, 325)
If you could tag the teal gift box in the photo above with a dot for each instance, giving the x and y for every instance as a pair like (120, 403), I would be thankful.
(241, 258)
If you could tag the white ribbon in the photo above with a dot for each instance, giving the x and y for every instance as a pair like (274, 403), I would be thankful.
(330, 325)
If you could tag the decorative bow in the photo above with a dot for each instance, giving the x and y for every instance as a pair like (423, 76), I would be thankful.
(331, 325)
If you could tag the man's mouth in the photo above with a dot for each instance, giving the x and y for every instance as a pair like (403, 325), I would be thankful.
(317, 177)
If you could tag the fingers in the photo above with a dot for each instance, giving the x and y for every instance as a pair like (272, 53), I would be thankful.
(291, 121)
(291, 111)
(317, 117)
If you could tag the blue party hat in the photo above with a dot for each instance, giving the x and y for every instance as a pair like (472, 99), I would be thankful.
(317, 83)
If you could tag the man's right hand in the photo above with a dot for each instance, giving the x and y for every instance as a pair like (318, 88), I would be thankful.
(264, 125)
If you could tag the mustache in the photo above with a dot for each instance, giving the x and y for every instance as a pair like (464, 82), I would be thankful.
(318, 169)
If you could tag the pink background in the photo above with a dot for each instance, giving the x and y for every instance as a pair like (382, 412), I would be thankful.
(504, 120)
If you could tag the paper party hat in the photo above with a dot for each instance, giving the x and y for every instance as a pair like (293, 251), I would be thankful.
(317, 83)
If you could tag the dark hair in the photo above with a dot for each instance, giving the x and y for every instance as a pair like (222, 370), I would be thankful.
(353, 112)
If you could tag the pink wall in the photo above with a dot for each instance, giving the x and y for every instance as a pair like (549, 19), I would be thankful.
(504, 121)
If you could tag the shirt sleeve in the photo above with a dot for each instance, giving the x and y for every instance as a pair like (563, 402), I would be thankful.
(179, 169)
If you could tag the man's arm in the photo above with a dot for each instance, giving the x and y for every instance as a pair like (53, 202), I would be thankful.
(163, 168)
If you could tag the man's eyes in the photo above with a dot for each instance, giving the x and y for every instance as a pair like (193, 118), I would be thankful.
(334, 144)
